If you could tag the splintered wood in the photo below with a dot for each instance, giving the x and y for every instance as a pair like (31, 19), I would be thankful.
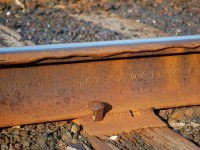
(149, 138)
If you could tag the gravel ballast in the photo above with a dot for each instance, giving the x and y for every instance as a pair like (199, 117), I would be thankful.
(52, 135)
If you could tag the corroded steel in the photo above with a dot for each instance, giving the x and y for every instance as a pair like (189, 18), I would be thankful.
(45, 83)
(89, 51)
(125, 121)
(97, 109)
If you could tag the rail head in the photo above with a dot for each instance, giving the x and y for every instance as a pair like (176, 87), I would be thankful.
(100, 50)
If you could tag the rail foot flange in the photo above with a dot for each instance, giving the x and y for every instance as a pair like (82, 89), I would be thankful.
(116, 122)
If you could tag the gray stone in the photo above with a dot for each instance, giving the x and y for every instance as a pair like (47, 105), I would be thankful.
(66, 137)
(41, 126)
(82, 138)
(86, 147)
(76, 146)
(33, 147)
(51, 144)
(41, 140)
(196, 120)
(75, 136)
(25, 143)
(50, 137)
(16, 138)
(16, 131)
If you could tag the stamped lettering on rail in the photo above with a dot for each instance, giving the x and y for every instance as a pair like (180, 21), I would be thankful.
(93, 78)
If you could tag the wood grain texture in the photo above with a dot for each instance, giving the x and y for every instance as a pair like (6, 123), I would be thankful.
(150, 139)
(10, 38)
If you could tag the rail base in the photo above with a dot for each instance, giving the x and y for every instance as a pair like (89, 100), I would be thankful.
(117, 122)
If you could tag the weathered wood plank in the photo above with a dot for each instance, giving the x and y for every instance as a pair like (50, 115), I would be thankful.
(10, 38)
(151, 138)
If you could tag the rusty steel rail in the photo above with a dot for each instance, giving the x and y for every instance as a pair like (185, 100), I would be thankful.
(56, 82)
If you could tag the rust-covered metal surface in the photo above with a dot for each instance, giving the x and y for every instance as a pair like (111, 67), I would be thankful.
(46, 83)
(100, 50)
(118, 122)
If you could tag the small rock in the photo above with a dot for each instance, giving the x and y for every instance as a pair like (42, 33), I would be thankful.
(197, 112)
(179, 115)
(2, 141)
(190, 136)
(41, 140)
(8, 13)
(28, 127)
(11, 147)
(9, 130)
(69, 126)
(75, 147)
(75, 128)
(197, 128)
(50, 137)
(54, 128)
(196, 120)
(86, 147)
(33, 147)
(169, 111)
(51, 144)
(16, 131)
(197, 139)
(172, 121)
(115, 137)
(17, 146)
(162, 113)
(189, 112)
(7, 140)
(102, 33)
(67, 137)
(16, 127)
(75, 136)
(16, 138)
(70, 148)
(62, 144)
(41, 126)
(107, 5)
(66, 125)
(4, 146)
(82, 138)
(25, 143)
(23, 133)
